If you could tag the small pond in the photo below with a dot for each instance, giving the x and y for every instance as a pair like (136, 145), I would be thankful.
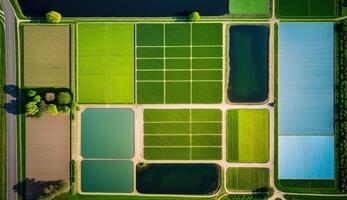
(124, 8)
(194, 179)
(248, 63)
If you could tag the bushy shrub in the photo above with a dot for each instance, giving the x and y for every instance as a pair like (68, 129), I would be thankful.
(31, 108)
(37, 98)
(31, 93)
(54, 190)
(50, 96)
(64, 98)
(64, 109)
(194, 17)
(52, 109)
(53, 17)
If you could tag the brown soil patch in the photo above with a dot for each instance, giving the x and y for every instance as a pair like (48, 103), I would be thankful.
(48, 147)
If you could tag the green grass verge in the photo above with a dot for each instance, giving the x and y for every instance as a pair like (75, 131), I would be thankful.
(68, 196)
(287, 9)
(305, 197)
(248, 136)
(260, 7)
(247, 179)
(2, 114)
(105, 63)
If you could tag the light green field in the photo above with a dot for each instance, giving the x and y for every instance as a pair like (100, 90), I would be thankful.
(239, 7)
(248, 135)
(105, 63)
(182, 134)
(247, 179)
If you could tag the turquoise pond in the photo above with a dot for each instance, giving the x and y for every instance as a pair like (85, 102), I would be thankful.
(306, 101)
(110, 176)
(107, 133)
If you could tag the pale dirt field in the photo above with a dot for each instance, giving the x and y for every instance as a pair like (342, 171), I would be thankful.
(48, 147)
(46, 56)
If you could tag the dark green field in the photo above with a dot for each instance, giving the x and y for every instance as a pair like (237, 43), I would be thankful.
(306, 8)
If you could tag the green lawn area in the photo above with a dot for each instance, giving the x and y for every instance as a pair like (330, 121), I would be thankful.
(248, 135)
(105, 63)
(306, 8)
(182, 134)
(247, 179)
(166, 55)
(2, 114)
(247, 7)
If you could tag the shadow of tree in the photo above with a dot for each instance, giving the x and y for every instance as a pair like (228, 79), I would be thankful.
(31, 189)
(14, 106)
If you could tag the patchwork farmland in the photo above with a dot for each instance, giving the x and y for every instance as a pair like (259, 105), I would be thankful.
(182, 106)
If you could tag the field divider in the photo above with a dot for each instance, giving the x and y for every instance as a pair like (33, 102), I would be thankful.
(178, 81)
(185, 70)
(182, 147)
(168, 134)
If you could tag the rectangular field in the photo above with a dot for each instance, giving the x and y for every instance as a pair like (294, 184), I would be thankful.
(247, 179)
(183, 134)
(249, 7)
(306, 8)
(46, 56)
(179, 63)
(48, 147)
(105, 63)
(248, 135)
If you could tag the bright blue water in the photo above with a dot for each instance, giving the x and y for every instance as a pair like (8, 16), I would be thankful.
(306, 78)
(306, 157)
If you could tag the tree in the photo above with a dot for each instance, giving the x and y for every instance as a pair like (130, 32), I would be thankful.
(64, 98)
(194, 17)
(64, 109)
(53, 17)
(50, 96)
(52, 109)
(31, 93)
(31, 108)
(37, 98)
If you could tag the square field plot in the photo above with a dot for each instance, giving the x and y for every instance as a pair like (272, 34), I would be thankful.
(107, 133)
(179, 63)
(42, 68)
(248, 135)
(249, 7)
(247, 179)
(306, 8)
(109, 176)
(182, 134)
(105, 63)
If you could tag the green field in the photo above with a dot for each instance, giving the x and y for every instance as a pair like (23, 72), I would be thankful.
(182, 134)
(248, 135)
(41, 67)
(247, 179)
(179, 63)
(246, 7)
(105, 63)
(306, 8)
